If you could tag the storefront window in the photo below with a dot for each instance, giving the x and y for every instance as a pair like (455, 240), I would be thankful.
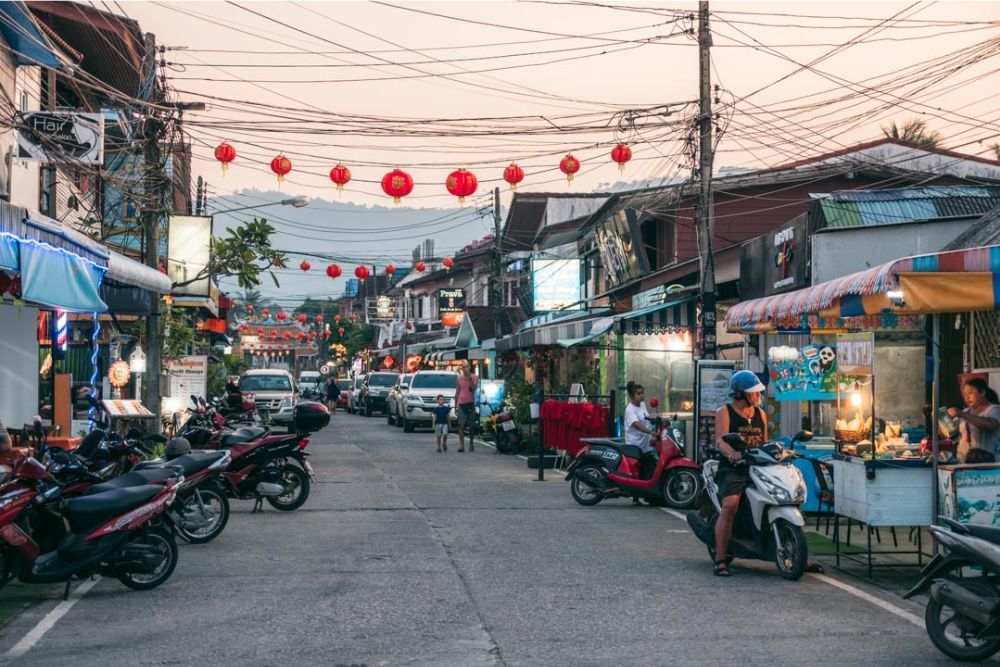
(662, 363)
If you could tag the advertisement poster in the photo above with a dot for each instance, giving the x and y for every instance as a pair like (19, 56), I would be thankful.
(970, 495)
(856, 353)
(188, 376)
(555, 284)
(713, 392)
(806, 374)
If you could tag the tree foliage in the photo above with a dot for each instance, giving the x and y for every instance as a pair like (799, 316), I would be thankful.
(245, 253)
(914, 131)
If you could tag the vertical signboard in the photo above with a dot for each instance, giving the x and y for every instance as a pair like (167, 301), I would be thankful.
(620, 242)
(189, 244)
(712, 393)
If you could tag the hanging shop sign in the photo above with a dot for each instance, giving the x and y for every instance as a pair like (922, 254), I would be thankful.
(856, 354)
(189, 243)
(806, 374)
(188, 376)
(620, 242)
(119, 374)
(451, 300)
(556, 284)
(59, 136)
(776, 262)
(125, 408)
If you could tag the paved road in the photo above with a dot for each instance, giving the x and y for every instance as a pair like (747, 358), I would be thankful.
(406, 556)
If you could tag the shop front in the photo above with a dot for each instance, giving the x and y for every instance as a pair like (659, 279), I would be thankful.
(866, 363)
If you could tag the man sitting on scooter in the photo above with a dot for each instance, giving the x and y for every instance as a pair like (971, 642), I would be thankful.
(742, 415)
(639, 430)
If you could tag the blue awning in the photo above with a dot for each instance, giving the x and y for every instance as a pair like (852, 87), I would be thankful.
(29, 44)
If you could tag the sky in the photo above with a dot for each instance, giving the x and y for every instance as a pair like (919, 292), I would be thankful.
(432, 87)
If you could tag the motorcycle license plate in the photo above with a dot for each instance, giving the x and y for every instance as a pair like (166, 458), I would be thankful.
(508, 426)
(309, 468)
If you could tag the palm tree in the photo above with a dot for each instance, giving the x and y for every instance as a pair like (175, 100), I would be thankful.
(250, 297)
(913, 132)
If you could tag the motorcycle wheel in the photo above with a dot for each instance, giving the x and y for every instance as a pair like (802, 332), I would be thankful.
(791, 553)
(583, 493)
(954, 634)
(216, 504)
(296, 482)
(163, 541)
(680, 488)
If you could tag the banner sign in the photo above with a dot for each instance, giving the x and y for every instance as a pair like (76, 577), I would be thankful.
(856, 353)
(556, 284)
(619, 240)
(451, 300)
(63, 136)
(189, 243)
(809, 374)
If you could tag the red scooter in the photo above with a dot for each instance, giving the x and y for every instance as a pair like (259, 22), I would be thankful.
(606, 468)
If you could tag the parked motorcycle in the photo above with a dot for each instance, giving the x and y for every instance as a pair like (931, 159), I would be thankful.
(124, 533)
(768, 524)
(606, 468)
(962, 617)
(506, 433)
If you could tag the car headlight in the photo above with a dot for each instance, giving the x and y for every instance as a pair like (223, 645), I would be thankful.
(286, 402)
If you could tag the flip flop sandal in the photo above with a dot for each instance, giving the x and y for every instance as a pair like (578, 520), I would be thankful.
(721, 569)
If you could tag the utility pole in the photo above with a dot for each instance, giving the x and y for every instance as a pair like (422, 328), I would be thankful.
(496, 296)
(151, 215)
(706, 227)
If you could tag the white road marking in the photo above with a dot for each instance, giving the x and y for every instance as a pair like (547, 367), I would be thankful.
(675, 514)
(868, 597)
(49, 620)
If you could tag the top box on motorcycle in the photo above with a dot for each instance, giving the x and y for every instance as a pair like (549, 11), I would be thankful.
(310, 416)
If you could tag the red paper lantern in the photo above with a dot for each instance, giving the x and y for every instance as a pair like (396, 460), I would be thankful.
(333, 271)
(447, 263)
(353, 317)
(361, 272)
(569, 166)
(249, 307)
(654, 402)
(621, 154)
(319, 319)
(305, 266)
(300, 335)
(225, 154)
(390, 269)
(260, 332)
(301, 318)
(462, 184)
(341, 176)
(274, 333)
(420, 267)
(336, 318)
(266, 312)
(282, 316)
(340, 331)
(397, 184)
(513, 175)
(287, 335)
(281, 166)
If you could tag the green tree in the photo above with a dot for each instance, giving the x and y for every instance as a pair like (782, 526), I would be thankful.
(244, 254)
(913, 131)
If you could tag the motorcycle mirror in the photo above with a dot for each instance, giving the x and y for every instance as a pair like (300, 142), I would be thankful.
(194, 399)
(733, 439)
(803, 436)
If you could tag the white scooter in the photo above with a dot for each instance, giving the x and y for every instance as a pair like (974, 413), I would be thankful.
(768, 524)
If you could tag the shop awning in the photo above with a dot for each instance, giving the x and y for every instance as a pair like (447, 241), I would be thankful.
(667, 317)
(30, 46)
(946, 282)
(127, 271)
(570, 326)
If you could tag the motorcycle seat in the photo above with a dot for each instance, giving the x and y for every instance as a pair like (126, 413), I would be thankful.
(90, 511)
(188, 464)
(134, 478)
(241, 435)
(631, 451)
(988, 533)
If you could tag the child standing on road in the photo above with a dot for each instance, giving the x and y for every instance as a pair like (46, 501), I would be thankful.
(439, 422)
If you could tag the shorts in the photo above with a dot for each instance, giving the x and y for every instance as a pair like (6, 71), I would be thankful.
(732, 481)
(440, 429)
(466, 414)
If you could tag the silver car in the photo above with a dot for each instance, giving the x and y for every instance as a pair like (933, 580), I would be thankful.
(274, 392)
(422, 397)
(396, 400)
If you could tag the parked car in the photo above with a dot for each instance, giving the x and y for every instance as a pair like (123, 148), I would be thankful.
(311, 386)
(422, 397)
(354, 392)
(344, 384)
(395, 401)
(375, 391)
(274, 393)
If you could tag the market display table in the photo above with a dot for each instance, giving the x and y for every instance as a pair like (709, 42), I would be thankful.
(882, 494)
(971, 493)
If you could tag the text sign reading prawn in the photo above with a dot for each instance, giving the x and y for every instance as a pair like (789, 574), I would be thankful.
(856, 354)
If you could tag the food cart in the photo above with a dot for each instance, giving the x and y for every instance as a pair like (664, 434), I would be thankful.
(880, 477)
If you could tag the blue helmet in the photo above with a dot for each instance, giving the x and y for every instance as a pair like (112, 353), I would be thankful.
(746, 382)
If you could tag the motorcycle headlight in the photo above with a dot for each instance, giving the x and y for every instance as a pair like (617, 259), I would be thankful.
(778, 493)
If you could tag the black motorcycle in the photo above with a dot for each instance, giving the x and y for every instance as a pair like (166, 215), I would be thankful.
(963, 612)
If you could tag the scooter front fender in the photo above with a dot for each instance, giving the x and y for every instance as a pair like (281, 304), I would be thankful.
(789, 513)
(681, 462)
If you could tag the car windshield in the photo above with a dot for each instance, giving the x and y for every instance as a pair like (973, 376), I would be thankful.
(265, 383)
(358, 381)
(382, 380)
(405, 381)
(435, 381)
(344, 384)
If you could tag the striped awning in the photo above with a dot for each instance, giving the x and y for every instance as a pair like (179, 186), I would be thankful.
(668, 317)
(550, 334)
(947, 282)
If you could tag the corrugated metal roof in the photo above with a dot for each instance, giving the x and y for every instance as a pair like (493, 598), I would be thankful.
(862, 208)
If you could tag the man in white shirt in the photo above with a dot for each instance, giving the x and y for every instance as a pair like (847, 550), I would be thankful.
(638, 429)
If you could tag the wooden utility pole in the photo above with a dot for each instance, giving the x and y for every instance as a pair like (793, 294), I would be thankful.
(152, 212)
(706, 227)
(496, 296)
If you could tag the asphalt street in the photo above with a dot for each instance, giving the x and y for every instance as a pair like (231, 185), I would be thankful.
(403, 556)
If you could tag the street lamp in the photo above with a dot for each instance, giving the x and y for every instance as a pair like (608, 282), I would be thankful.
(294, 202)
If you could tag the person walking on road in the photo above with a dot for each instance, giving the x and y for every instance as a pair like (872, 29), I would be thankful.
(465, 406)
(440, 415)
(332, 394)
